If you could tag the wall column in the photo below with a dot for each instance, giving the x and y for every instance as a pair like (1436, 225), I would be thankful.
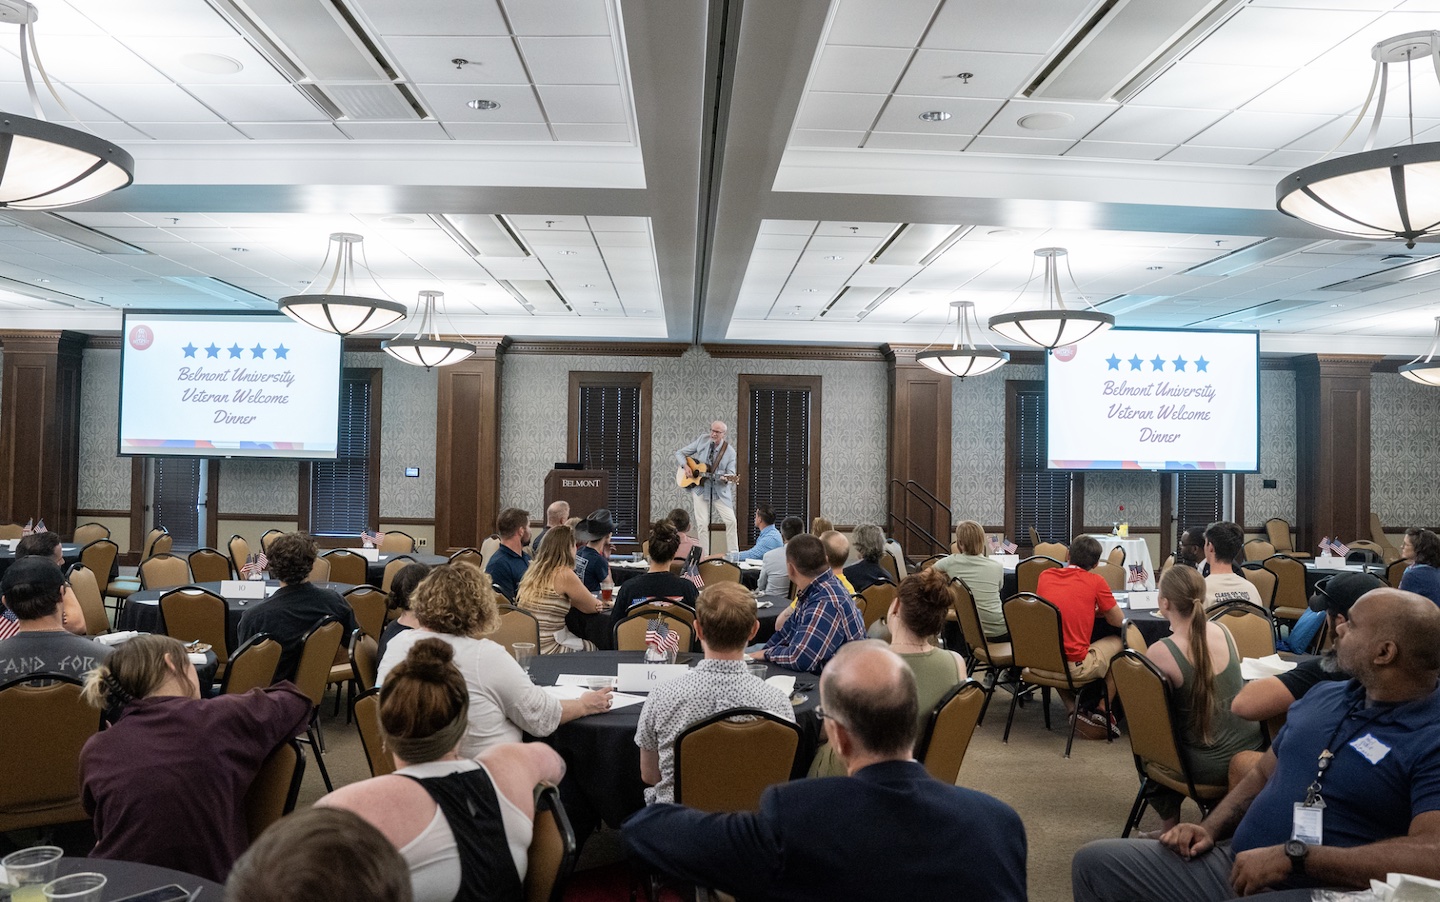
(1332, 433)
(919, 451)
(40, 427)
(467, 452)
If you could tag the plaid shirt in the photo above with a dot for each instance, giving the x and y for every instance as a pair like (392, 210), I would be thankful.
(825, 618)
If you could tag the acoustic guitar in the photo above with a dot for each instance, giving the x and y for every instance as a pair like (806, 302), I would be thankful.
(701, 472)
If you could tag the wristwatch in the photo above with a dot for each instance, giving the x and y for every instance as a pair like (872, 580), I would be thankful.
(1296, 850)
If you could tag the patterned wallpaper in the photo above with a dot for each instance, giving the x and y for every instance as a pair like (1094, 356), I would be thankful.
(977, 458)
(1277, 451)
(1139, 491)
(104, 475)
(687, 392)
(1404, 451)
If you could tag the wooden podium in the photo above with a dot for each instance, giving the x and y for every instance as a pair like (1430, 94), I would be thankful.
(585, 490)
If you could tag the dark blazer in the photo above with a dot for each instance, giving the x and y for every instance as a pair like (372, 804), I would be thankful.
(946, 842)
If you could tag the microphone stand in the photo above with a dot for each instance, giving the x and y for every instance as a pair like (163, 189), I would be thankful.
(710, 486)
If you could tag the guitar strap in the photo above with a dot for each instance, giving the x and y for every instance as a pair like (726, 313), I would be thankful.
(719, 454)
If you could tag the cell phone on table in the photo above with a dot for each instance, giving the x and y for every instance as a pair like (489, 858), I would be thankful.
(172, 893)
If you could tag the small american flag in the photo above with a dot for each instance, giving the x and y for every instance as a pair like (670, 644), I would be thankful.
(41, 527)
(692, 569)
(1339, 547)
(9, 623)
(1325, 545)
(29, 529)
(1137, 575)
(994, 543)
(1009, 546)
(370, 539)
(255, 564)
(660, 636)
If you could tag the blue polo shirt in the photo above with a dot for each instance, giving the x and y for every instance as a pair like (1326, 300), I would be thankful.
(592, 567)
(1386, 768)
(1422, 579)
(506, 569)
(768, 540)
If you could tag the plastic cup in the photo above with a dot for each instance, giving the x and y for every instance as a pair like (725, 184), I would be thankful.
(606, 593)
(83, 887)
(597, 683)
(757, 670)
(524, 651)
(32, 867)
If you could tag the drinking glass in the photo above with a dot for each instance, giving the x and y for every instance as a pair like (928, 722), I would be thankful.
(524, 651)
(757, 670)
(29, 870)
(84, 887)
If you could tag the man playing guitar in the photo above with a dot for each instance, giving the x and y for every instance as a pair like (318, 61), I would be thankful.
(707, 472)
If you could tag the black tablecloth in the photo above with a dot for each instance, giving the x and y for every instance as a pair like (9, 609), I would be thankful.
(599, 628)
(748, 576)
(126, 878)
(375, 570)
(142, 610)
(600, 752)
(71, 553)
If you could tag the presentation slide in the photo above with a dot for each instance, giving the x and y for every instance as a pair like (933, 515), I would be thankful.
(228, 385)
(1143, 399)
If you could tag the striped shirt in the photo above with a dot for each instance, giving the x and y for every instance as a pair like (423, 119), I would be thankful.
(825, 618)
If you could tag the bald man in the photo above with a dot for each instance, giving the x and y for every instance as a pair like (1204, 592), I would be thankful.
(715, 492)
(1369, 749)
(800, 844)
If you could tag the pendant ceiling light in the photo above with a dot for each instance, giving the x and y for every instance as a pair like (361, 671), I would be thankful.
(426, 348)
(1427, 371)
(963, 357)
(1054, 325)
(43, 165)
(1389, 193)
(338, 306)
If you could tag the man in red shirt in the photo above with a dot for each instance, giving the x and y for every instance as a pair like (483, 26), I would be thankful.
(1083, 597)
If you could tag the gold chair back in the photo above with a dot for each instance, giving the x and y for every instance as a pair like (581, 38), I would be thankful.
(209, 566)
(347, 567)
(252, 666)
(276, 787)
(99, 557)
(630, 632)
(1113, 574)
(516, 625)
(322, 645)
(1377, 535)
(86, 533)
(1251, 627)
(1264, 582)
(1290, 600)
(369, 605)
(45, 728)
(192, 613)
(397, 541)
(366, 711)
(719, 571)
(990, 654)
(320, 570)
(10, 531)
(1132, 637)
(1277, 532)
(164, 571)
(877, 601)
(270, 536)
(364, 659)
(930, 561)
(948, 730)
(392, 567)
(887, 561)
(1034, 625)
(1057, 550)
(154, 543)
(239, 550)
(92, 604)
(553, 848)
(723, 765)
(1034, 537)
(1027, 572)
(1116, 556)
(1256, 550)
(468, 556)
(1394, 572)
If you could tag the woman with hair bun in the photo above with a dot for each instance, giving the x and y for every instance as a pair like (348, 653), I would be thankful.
(463, 825)
(680, 518)
(166, 784)
(657, 582)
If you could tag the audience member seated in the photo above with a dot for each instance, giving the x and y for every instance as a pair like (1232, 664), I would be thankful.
(821, 525)
(436, 794)
(456, 605)
(724, 623)
(801, 844)
(774, 584)
(681, 518)
(320, 855)
(658, 583)
(1200, 662)
(824, 617)
(1422, 550)
(551, 588)
(508, 564)
(47, 545)
(915, 618)
(555, 515)
(768, 539)
(837, 552)
(866, 572)
(297, 605)
(166, 784)
(1084, 597)
(982, 573)
(592, 558)
(1192, 550)
(1223, 544)
(33, 589)
(1377, 739)
(401, 587)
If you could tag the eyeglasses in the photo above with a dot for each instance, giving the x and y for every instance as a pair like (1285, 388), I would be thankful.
(821, 713)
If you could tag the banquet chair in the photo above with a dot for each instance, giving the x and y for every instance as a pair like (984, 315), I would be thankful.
(1057, 550)
(209, 566)
(1166, 565)
(392, 567)
(366, 711)
(1250, 626)
(347, 567)
(1264, 582)
(269, 536)
(877, 601)
(995, 657)
(860, 604)
(670, 607)
(252, 666)
(87, 592)
(1116, 556)
(1290, 599)
(397, 541)
(1113, 574)
(948, 730)
(1394, 572)
(1377, 535)
(890, 565)
(630, 632)
(1034, 537)
(320, 570)
(516, 625)
(99, 557)
(1256, 550)
(192, 613)
(1027, 572)
(468, 556)
(46, 725)
(312, 675)
(719, 571)
(239, 550)
(276, 788)
(487, 549)
(365, 661)
(86, 533)
(553, 848)
(1363, 551)
(1277, 531)
(1132, 637)
(1155, 737)
(164, 571)
(369, 604)
(724, 762)
(929, 562)
(10, 531)
(1039, 650)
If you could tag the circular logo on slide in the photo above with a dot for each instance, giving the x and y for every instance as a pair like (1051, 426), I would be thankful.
(141, 338)
(1065, 353)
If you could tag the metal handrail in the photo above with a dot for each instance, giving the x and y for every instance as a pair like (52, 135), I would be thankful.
(912, 490)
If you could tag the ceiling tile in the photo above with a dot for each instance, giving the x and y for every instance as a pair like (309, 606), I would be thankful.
(177, 60)
(814, 137)
(257, 104)
(1250, 34)
(1291, 159)
(189, 131)
(1028, 26)
(571, 60)
(94, 59)
(394, 131)
(896, 23)
(1115, 150)
(912, 141)
(290, 131)
(435, 17)
(1393, 130)
(838, 111)
(1164, 125)
(967, 117)
(1255, 129)
(583, 103)
(426, 60)
(447, 103)
(151, 103)
(158, 18)
(1083, 117)
(1211, 87)
(996, 75)
(498, 131)
(559, 17)
(1315, 90)
(858, 70)
(14, 97)
(1041, 146)
(592, 132)
(1240, 156)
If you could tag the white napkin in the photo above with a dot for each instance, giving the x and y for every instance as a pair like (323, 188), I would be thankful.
(197, 660)
(1270, 665)
(113, 639)
(784, 682)
(1405, 888)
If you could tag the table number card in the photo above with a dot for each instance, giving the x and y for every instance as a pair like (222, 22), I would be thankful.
(242, 588)
(645, 677)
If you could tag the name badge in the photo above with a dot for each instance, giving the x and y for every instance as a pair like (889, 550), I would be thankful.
(1373, 749)
(645, 677)
(1309, 824)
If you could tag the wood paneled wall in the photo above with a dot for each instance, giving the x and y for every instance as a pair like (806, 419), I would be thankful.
(467, 453)
(1332, 426)
(40, 435)
(919, 453)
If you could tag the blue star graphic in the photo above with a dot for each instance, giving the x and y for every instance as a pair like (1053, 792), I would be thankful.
(212, 351)
(1179, 364)
(280, 353)
(1201, 364)
(1135, 363)
(1113, 361)
(1157, 364)
(257, 352)
(190, 349)
(235, 351)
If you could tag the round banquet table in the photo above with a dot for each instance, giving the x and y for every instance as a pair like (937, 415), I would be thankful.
(142, 609)
(600, 754)
(126, 878)
(623, 570)
(599, 628)
(70, 552)
(375, 570)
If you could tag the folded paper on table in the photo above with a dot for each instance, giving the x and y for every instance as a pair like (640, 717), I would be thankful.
(1008, 561)
(1270, 665)
(1329, 562)
(113, 639)
(617, 699)
(1144, 601)
(242, 588)
(1405, 888)
(784, 682)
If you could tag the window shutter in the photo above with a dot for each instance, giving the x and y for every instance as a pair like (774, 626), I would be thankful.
(340, 489)
(779, 462)
(1042, 496)
(175, 499)
(609, 432)
(1200, 498)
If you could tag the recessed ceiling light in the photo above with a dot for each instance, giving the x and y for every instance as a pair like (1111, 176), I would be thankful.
(397, 220)
(1002, 233)
(240, 250)
(934, 115)
(42, 280)
(566, 253)
(812, 291)
(483, 105)
(1334, 305)
(917, 291)
(211, 63)
(588, 285)
(1041, 122)
(645, 310)
(834, 257)
(1153, 268)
